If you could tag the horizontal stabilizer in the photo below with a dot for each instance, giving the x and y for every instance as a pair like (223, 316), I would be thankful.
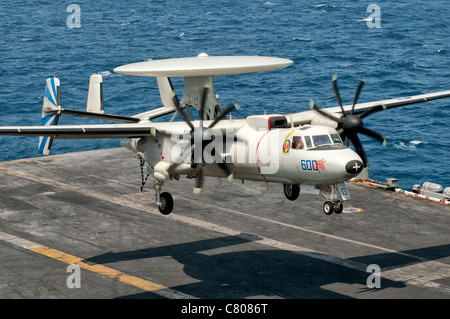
(108, 117)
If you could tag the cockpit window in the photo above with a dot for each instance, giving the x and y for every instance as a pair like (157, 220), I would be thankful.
(297, 143)
(336, 139)
(321, 139)
(308, 142)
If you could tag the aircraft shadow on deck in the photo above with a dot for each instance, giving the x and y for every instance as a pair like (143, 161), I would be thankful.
(266, 272)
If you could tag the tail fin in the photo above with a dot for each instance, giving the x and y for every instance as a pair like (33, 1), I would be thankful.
(167, 93)
(50, 114)
(95, 94)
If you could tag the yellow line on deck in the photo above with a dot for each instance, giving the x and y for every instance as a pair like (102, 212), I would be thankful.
(99, 269)
(108, 272)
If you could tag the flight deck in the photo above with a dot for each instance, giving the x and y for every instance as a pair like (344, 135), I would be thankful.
(76, 226)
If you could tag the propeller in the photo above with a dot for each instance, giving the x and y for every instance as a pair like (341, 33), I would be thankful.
(196, 150)
(349, 124)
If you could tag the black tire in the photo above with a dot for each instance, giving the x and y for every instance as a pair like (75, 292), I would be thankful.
(339, 208)
(328, 208)
(291, 191)
(166, 205)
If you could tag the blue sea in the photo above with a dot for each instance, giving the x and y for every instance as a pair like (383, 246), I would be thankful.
(401, 47)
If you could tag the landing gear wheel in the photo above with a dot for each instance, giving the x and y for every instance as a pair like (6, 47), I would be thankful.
(291, 191)
(338, 208)
(328, 208)
(166, 203)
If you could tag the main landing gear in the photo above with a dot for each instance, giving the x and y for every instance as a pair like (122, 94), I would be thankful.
(164, 200)
(291, 191)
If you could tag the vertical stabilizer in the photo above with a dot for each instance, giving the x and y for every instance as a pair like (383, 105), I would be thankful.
(50, 112)
(196, 89)
(167, 93)
(95, 94)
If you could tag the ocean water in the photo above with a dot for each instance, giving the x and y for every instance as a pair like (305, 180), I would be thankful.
(408, 54)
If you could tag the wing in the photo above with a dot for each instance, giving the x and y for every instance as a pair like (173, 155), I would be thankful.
(82, 131)
(306, 117)
(392, 103)
(348, 119)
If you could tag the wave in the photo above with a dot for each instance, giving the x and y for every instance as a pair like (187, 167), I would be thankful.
(324, 5)
(104, 73)
(301, 39)
(410, 144)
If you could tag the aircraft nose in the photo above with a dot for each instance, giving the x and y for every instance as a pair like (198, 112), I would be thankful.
(354, 167)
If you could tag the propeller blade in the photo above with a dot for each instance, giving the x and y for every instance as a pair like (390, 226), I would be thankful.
(181, 159)
(346, 143)
(201, 112)
(183, 115)
(224, 113)
(373, 109)
(197, 146)
(199, 179)
(217, 110)
(336, 92)
(313, 106)
(343, 136)
(372, 134)
(349, 125)
(226, 170)
(358, 90)
(359, 149)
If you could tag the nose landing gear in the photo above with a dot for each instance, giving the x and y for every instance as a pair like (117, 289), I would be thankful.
(335, 195)
(330, 207)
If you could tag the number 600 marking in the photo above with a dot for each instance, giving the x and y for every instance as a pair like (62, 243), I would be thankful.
(308, 165)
